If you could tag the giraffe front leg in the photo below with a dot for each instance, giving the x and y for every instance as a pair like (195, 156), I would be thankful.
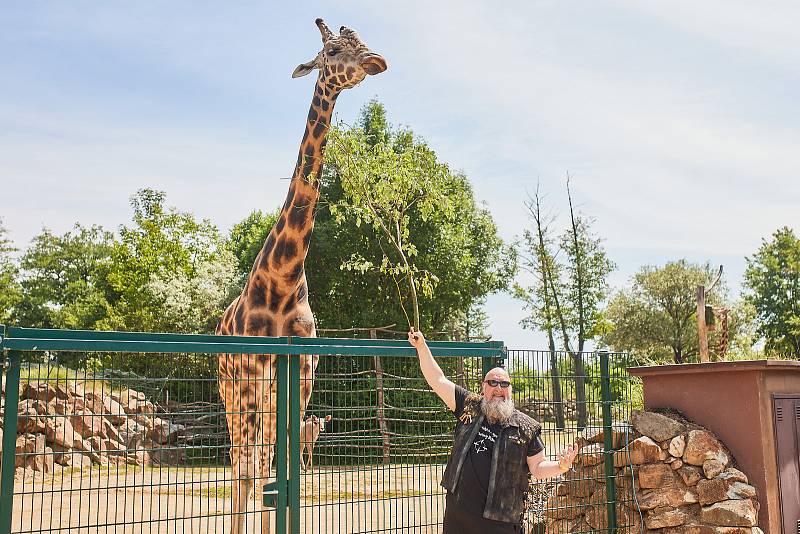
(234, 393)
(268, 421)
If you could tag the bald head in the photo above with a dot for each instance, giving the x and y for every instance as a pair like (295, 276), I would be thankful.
(493, 374)
(499, 375)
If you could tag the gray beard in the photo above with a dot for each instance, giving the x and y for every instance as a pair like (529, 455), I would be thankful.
(497, 411)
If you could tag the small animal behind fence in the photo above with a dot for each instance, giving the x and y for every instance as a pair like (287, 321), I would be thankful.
(310, 429)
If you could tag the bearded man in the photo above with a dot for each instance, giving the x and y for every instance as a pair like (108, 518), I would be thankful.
(495, 449)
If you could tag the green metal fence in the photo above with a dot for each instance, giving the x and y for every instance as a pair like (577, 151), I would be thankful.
(125, 432)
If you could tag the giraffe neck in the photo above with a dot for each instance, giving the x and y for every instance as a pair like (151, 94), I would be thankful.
(287, 244)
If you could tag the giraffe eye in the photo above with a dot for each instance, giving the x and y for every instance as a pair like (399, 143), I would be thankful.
(333, 51)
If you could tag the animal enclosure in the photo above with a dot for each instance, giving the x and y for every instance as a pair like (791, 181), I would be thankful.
(126, 432)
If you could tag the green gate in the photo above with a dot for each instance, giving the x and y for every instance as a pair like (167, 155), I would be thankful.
(161, 463)
(283, 494)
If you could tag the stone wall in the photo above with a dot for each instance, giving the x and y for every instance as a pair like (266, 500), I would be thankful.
(64, 426)
(671, 477)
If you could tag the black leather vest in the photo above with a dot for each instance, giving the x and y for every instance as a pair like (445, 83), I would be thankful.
(509, 477)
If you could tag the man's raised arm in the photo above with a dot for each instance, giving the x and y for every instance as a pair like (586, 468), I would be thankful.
(439, 383)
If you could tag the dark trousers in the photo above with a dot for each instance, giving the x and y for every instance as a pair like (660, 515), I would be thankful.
(459, 520)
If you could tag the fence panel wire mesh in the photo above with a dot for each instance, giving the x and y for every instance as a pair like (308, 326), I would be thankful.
(111, 442)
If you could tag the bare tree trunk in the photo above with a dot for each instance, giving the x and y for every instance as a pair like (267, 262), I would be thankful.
(580, 373)
(554, 371)
(373, 334)
(555, 377)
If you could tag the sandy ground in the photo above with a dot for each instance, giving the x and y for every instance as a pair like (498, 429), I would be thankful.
(397, 498)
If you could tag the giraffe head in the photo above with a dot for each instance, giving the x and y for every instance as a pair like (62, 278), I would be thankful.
(343, 61)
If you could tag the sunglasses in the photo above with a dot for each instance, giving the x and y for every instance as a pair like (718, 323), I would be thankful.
(494, 383)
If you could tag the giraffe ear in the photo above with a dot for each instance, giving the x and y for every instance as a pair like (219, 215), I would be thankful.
(304, 68)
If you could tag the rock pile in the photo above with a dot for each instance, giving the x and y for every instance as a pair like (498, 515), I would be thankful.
(677, 474)
(67, 426)
(546, 410)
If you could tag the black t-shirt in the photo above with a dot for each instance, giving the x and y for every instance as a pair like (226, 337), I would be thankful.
(473, 484)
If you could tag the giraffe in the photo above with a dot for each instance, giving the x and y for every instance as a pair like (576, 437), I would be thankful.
(274, 301)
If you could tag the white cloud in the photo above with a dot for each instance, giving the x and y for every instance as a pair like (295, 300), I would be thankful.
(768, 28)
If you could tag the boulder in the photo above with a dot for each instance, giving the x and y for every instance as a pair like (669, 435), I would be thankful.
(692, 527)
(134, 402)
(665, 517)
(88, 424)
(565, 507)
(132, 434)
(48, 461)
(104, 404)
(29, 418)
(671, 496)
(597, 435)
(712, 468)
(677, 445)
(723, 489)
(38, 391)
(655, 476)
(64, 392)
(565, 525)
(734, 474)
(656, 426)
(164, 431)
(690, 475)
(60, 431)
(29, 451)
(644, 450)
(732, 513)
(114, 411)
(590, 455)
(597, 514)
(703, 445)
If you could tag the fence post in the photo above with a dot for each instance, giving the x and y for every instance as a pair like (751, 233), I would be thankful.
(280, 443)
(12, 367)
(293, 501)
(608, 443)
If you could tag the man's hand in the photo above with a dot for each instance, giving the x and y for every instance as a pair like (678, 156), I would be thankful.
(416, 339)
(567, 456)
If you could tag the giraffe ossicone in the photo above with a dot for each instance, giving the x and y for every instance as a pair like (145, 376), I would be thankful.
(274, 301)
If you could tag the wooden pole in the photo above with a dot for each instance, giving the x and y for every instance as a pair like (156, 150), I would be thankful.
(702, 331)
(373, 334)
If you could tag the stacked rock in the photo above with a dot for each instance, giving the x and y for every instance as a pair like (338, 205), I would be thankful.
(671, 477)
(64, 426)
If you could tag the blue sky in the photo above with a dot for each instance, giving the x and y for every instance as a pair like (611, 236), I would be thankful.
(678, 121)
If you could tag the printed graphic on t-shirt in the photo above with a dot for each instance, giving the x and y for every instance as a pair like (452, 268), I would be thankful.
(485, 440)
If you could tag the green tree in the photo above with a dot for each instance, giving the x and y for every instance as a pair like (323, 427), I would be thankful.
(656, 318)
(10, 291)
(162, 245)
(65, 279)
(247, 237)
(356, 271)
(772, 279)
(573, 290)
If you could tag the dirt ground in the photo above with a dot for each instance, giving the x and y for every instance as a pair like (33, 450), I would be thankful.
(396, 498)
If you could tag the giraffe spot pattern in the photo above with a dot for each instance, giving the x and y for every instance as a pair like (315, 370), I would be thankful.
(296, 272)
(320, 128)
(280, 224)
(274, 298)
(257, 297)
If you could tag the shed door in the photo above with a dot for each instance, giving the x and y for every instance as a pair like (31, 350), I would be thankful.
(787, 430)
